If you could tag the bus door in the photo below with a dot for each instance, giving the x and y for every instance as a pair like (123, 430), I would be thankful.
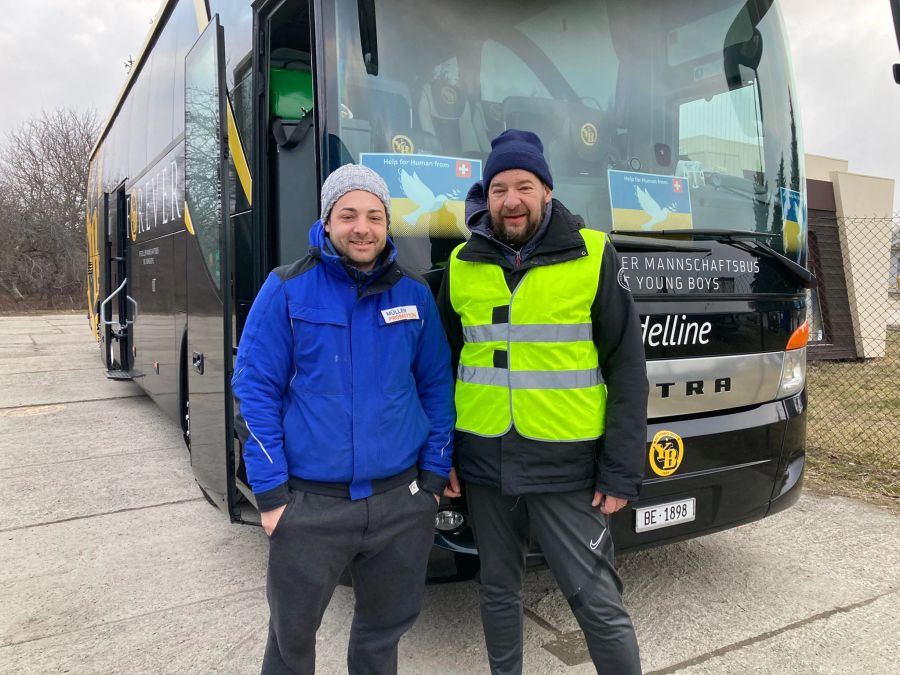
(286, 170)
(208, 274)
(117, 311)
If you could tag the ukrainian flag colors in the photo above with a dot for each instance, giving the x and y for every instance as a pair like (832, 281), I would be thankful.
(428, 192)
(644, 201)
(448, 221)
(793, 217)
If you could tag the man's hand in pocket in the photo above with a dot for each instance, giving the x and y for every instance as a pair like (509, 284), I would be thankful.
(270, 519)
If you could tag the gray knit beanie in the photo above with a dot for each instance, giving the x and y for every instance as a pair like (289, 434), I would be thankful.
(348, 178)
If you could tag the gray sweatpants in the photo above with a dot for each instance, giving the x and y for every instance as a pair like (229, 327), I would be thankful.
(578, 547)
(384, 539)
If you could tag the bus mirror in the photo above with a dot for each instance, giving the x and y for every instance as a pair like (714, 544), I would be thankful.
(368, 35)
(895, 11)
(747, 53)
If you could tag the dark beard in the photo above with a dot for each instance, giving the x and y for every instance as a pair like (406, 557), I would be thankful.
(517, 242)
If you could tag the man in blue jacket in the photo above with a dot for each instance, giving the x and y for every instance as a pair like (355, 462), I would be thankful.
(346, 415)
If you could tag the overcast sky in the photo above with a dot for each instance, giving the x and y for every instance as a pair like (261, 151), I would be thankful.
(849, 102)
(71, 52)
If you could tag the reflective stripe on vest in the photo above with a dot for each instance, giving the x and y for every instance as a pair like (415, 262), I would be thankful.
(530, 379)
(532, 333)
(539, 370)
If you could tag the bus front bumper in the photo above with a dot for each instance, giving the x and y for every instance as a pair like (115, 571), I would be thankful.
(727, 494)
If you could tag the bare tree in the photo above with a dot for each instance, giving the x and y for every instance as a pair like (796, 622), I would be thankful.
(11, 239)
(43, 182)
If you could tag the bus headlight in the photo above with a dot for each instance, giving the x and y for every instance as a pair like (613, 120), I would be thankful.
(448, 520)
(793, 374)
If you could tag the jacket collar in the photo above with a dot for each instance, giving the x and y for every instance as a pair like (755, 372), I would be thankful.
(335, 264)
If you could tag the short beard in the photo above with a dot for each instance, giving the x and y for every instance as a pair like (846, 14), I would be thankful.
(519, 240)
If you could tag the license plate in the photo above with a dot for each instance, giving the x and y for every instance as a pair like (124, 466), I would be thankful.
(665, 515)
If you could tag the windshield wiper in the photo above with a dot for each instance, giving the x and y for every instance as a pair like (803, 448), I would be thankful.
(806, 278)
(623, 241)
(696, 233)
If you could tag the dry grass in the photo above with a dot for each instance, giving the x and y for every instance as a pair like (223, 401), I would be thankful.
(853, 432)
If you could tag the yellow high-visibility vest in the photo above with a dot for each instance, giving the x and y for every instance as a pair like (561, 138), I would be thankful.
(551, 387)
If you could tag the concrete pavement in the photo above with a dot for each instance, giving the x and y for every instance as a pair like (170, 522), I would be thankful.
(111, 561)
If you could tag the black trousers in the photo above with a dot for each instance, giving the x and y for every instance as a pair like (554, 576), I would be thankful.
(578, 547)
(384, 539)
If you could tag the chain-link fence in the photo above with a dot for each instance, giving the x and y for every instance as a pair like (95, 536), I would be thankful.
(853, 435)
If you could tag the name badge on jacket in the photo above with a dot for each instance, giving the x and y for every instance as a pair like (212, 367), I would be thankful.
(404, 313)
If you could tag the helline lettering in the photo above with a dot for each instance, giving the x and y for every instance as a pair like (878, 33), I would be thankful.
(674, 331)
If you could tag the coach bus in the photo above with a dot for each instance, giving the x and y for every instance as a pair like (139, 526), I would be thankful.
(671, 126)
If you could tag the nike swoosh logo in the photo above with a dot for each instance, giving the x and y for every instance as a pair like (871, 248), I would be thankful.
(595, 544)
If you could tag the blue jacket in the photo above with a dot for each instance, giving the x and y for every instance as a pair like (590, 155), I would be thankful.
(343, 377)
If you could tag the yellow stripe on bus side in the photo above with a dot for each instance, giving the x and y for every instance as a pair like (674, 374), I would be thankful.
(202, 14)
(187, 219)
(237, 154)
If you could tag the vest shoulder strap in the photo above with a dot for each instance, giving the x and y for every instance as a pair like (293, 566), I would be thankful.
(594, 240)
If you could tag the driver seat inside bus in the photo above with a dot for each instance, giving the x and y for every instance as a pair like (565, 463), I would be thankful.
(577, 147)
(377, 117)
(445, 111)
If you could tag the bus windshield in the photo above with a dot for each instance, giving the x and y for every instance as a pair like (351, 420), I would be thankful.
(654, 115)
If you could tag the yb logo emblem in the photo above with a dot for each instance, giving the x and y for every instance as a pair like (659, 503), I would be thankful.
(448, 95)
(402, 144)
(666, 453)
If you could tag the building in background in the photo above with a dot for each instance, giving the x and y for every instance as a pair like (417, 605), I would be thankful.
(854, 250)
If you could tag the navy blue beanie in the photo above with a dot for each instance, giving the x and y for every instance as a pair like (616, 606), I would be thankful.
(516, 149)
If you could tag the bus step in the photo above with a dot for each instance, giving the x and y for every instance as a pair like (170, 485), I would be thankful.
(117, 375)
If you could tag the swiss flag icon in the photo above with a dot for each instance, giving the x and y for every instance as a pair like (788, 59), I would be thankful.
(676, 185)
(463, 169)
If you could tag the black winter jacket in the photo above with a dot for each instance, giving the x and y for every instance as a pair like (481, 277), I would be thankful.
(612, 464)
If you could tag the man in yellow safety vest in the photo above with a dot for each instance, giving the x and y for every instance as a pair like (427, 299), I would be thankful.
(551, 400)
